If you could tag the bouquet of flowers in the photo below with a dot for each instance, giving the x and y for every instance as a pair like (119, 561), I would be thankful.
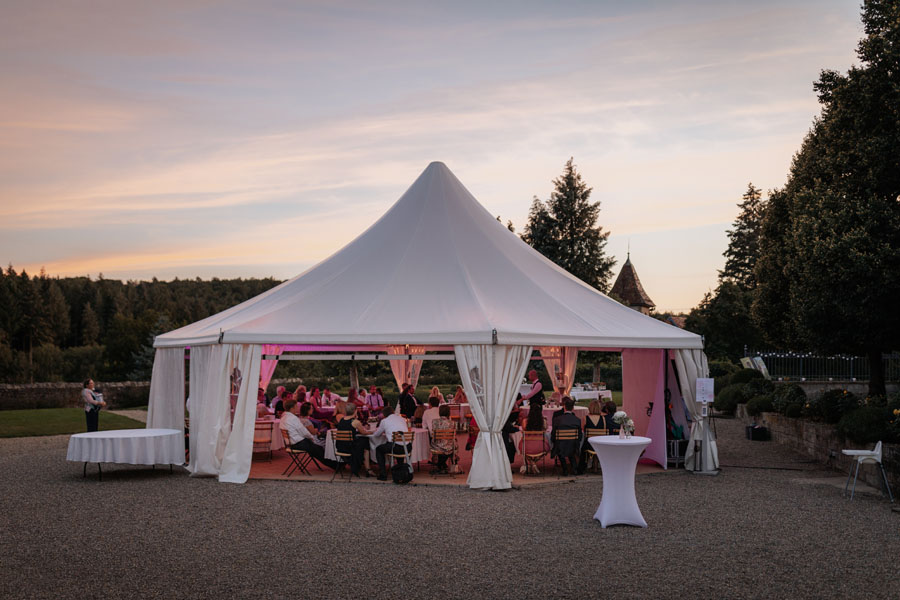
(624, 422)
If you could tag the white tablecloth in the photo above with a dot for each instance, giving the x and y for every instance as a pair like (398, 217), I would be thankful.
(421, 449)
(277, 439)
(128, 446)
(591, 395)
(618, 461)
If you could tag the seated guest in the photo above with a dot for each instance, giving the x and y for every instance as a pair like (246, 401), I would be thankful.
(262, 410)
(436, 393)
(611, 408)
(594, 420)
(300, 436)
(278, 400)
(510, 427)
(432, 413)
(329, 398)
(460, 396)
(391, 423)
(567, 449)
(340, 410)
(356, 448)
(374, 400)
(354, 398)
(442, 423)
(314, 427)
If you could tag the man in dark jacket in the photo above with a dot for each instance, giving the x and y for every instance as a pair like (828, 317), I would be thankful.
(564, 449)
(407, 401)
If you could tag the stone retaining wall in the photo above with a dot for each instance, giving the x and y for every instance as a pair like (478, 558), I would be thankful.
(821, 442)
(123, 394)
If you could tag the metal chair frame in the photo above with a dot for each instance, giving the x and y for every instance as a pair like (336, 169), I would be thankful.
(534, 435)
(590, 432)
(446, 435)
(299, 458)
(342, 458)
(566, 434)
(405, 439)
(261, 426)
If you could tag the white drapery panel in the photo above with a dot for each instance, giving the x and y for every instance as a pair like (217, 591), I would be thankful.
(166, 407)
(692, 364)
(210, 409)
(235, 467)
(490, 375)
(267, 367)
(405, 370)
(560, 364)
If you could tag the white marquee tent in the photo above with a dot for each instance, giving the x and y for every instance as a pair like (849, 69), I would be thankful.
(494, 300)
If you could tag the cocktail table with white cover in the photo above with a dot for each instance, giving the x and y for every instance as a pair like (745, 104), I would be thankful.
(421, 449)
(618, 461)
(128, 446)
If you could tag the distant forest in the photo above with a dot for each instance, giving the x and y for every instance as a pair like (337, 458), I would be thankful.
(67, 329)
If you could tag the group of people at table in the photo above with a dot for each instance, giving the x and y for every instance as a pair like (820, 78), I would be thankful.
(306, 417)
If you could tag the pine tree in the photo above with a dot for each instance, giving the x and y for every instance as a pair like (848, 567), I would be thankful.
(90, 326)
(565, 230)
(743, 241)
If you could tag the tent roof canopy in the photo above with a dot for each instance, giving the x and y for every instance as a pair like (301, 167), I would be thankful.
(487, 286)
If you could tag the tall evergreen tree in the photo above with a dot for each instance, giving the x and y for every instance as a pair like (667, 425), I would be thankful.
(90, 326)
(565, 230)
(743, 240)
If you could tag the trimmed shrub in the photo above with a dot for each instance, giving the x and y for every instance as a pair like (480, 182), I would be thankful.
(759, 404)
(864, 425)
(794, 410)
(787, 394)
(727, 400)
(719, 368)
(834, 404)
(746, 375)
(758, 387)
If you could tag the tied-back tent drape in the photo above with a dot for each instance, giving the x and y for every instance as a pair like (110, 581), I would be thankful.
(560, 364)
(406, 370)
(491, 376)
(692, 364)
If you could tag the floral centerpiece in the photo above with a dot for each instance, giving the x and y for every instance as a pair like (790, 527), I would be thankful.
(626, 425)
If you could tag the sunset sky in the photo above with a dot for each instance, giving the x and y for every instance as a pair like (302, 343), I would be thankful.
(253, 139)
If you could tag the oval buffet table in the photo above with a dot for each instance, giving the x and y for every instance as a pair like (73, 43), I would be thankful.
(128, 446)
(618, 461)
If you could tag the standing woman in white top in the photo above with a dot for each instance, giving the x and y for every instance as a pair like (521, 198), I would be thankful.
(93, 402)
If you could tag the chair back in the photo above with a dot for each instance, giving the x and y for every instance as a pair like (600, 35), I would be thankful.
(563, 434)
(454, 412)
(877, 451)
(262, 432)
(592, 432)
(338, 435)
(533, 442)
(287, 440)
(403, 437)
(444, 435)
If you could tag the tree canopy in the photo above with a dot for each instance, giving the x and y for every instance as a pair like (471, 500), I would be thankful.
(565, 230)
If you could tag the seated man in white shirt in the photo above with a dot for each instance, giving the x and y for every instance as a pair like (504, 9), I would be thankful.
(389, 424)
(431, 413)
(301, 436)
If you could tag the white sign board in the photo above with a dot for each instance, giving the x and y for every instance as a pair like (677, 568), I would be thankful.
(704, 390)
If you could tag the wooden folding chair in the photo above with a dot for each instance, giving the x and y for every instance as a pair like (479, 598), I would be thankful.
(404, 439)
(533, 444)
(565, 435)
(590, 432)
(444, 435)
(342, 458)
(299, 458)
(455, 415)
(262, 437)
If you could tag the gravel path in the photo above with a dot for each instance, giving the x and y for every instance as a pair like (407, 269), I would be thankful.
(747, 533)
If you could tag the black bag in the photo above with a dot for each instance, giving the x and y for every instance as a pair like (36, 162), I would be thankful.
(401, 473)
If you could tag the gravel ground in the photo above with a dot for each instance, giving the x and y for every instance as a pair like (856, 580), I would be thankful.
(750, 532)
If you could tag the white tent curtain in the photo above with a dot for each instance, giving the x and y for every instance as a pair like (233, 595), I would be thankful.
(210, 409)
(267, 368)
(166, 407)
(692, 364)
(404, 370)
(560, 364)
(490, 375)
(235, 466)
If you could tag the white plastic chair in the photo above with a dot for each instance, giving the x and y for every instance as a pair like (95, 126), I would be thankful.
(866, 456)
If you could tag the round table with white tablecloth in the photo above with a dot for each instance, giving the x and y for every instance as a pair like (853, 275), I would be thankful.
(128, 446)
(618, 460)
(421, 449)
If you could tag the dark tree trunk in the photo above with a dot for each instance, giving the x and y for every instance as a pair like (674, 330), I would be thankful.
(876, 374)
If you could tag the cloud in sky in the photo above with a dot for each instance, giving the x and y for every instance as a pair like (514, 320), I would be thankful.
(198, 139)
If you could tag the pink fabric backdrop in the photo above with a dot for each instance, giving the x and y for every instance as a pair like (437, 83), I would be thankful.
(267, 367)
(643, 382)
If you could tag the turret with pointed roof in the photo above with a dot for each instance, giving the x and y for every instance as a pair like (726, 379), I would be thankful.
(629, 289)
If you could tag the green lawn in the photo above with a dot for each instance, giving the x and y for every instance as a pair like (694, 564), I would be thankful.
(57, 421)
